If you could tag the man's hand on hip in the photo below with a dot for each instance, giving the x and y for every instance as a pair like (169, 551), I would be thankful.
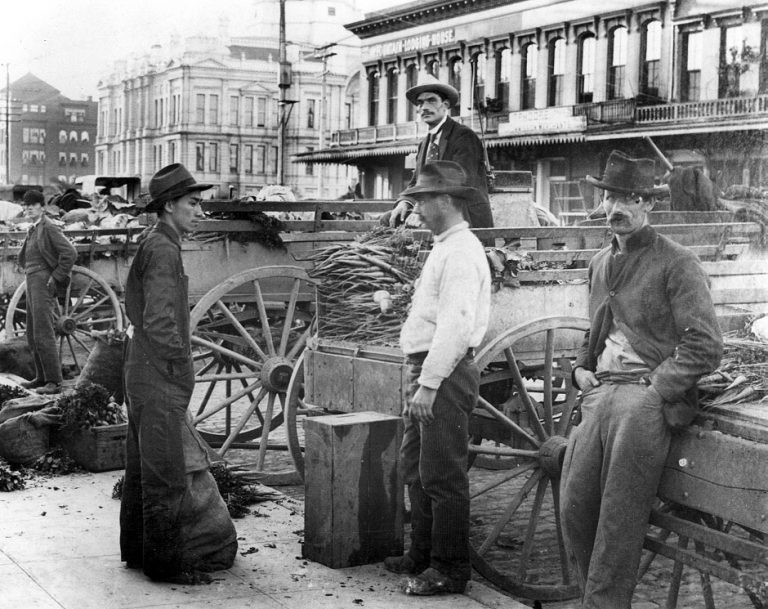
(585, 379)
(420, 407)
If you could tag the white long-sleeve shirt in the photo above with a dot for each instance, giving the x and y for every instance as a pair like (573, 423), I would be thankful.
(450, 306)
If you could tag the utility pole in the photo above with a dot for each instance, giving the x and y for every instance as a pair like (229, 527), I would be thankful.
(7, 124)
(284, 81)
(322, 53)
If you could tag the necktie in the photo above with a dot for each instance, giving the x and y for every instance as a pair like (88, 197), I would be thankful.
(433, 150)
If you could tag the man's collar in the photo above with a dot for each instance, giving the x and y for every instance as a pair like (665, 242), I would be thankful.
(169, 231)
(642, 238)
(439, 126)
(451, 231)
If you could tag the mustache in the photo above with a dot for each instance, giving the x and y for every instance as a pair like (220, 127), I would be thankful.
(617, 217)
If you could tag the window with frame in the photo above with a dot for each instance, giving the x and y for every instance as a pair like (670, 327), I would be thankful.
(234, 107)
(411, 77)
(433, 67)
(392, 92)
(63, 159)
(740, 57)
(248, 158)
(25, 135)
(249, 112)
(373, 98)
(585, 79)
(62, 137)
(73, 158)
(310, 114)
(454, 79)
(213, 109)
(617, 58)
(261, 112)
(556, 67)
(261, 160)
(530, 55)
(234, 149)
(273, 161)
(84, 160)
(84, 137)
(478, 78)
(73, 136)
(692, 52)
(200, 156)
(171, 152)
(651, 55)
(213, 157)
(347, 115)
(503, 70)
(200, 108)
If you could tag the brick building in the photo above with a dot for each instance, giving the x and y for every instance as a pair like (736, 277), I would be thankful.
(52, 137)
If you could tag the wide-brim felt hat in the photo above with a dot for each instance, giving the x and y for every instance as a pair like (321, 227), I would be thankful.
(171, 182)
(627, 175)
(442, 177)
(427, 82)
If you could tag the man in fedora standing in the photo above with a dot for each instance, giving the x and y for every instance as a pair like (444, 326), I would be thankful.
(162, 446)
(653, 334)
(447, 140)
(447, 320)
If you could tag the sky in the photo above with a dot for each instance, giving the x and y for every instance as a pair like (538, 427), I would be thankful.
(71, 44)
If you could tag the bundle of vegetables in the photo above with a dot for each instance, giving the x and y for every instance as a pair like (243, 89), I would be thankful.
(742, 375)
(56, 462)
(10, 479)
(89, 406)
(365, 286)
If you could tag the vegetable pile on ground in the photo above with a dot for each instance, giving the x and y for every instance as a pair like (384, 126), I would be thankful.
(742, 375)
(11, 477)
(56, 462)
(88, 406)
(365, 286)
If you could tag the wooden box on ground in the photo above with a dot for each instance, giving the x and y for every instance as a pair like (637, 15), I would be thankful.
(353, 492)
(98, 449)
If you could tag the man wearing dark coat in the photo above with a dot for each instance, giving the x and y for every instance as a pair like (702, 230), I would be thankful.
(447, 140)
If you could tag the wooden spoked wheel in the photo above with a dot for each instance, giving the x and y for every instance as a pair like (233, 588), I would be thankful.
(524, 415)
(247, 335)
(86, 310)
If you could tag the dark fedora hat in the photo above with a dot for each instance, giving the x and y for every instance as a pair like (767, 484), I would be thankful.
(33, 196)
(442, 177)
(427, 82)
(171, 182)
(627, 175)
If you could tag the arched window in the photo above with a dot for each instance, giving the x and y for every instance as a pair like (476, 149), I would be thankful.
(73, 136)
(392, 93)
(617, 62)
(585, 84)
(454, 79)
(651, 60)
(62, 137)
(530, 53)
(478, 78)
(373, 98)
(84, 136)
(503, 70)
(556, 68)
(433, 68)
(411, 78)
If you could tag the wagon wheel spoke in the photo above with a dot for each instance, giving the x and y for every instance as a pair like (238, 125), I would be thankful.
(82, 294)
(300, 344)
(533, 522)
(518, 377)
(288, 323)
(518, 471)
(72, 351)
(240, 329)
(549, 349)
(485, 404)
(265, 329)
(243, 420)
(221, 350)
(85, 347)
(209, 390)
(564, 569)
(229, 400)
(266, 428)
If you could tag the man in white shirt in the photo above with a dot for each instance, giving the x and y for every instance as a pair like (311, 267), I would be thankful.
(447, 320)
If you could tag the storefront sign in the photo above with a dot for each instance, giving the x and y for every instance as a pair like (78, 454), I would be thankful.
(546, 120)
(412, 43)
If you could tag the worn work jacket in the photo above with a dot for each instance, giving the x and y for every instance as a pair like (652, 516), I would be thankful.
(156, 298)
(659, 296)
(59, 254)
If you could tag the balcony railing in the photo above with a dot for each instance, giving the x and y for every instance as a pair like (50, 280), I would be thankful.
(608, 112)
(703, 110)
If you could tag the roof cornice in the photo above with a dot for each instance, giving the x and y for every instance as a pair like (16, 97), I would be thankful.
(418, 13)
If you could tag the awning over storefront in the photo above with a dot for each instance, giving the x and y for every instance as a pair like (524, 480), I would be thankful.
(542, 138)
(340, 155)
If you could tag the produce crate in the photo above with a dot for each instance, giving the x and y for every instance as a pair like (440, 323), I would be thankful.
(98, 449)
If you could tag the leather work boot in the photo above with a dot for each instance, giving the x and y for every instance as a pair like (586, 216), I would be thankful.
(49, 389)
(404, 565)
(33, 384)
(432, 582)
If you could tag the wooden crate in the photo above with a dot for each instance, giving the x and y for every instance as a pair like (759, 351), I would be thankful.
(353, 491)
(98, 449)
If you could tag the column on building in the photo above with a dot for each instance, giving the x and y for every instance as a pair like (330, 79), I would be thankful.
(516, 77)
(363, 117)
(542, 71)
(382, 118)
(667, 77)
(490, 70)
(570, 84)
(634, 46)
(601, 61)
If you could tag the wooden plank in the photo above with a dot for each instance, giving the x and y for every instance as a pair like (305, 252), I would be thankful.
(577, 255)
(740, 296)
(719, 474)
(368, 206)
(546, 275)
(736, 267)
(748, 421)
(378, 386)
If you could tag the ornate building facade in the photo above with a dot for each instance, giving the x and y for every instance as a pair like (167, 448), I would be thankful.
(213, 102)
(554, 85)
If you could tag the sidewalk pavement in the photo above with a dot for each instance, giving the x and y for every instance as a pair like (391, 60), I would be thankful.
(59, 549)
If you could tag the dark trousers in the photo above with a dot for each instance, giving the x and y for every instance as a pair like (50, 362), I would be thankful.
(611, 473)
(41, 336)
(155, 470)
(434, 464)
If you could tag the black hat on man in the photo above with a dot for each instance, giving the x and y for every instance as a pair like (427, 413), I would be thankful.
(627, 175)
(171, 182)
(442, 177)
(33, 196)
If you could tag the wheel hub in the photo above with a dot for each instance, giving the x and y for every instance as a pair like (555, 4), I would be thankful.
(66, 325)
(276, 374)
(552, 454)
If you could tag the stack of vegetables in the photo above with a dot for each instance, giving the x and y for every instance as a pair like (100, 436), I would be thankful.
(364, 287)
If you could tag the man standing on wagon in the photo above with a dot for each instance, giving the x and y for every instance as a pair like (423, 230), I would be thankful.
(447, 140)
(163, 530)
(653, 334)
(447, 320)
